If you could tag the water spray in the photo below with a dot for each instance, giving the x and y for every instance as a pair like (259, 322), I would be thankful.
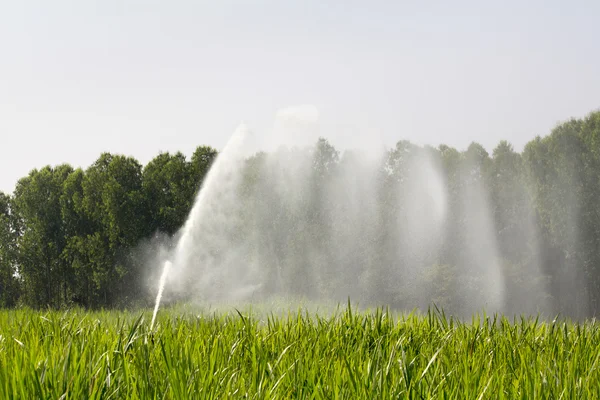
(161, 287)
(227, 164)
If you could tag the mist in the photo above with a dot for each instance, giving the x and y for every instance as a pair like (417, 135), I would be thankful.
(408, 227)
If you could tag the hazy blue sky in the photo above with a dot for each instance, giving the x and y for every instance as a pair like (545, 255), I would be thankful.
(137, 77)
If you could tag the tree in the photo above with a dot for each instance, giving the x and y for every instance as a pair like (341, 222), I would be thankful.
(169, 190)
(517, 233)
(201, 161)
(77, 227)
(9, 282)
(318, 215)
(558, 166)
(114, 203)
(42, 239)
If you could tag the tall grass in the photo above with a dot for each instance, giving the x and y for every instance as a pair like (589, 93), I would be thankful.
(241, 354)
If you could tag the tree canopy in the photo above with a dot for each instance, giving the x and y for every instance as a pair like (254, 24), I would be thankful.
(69, 236)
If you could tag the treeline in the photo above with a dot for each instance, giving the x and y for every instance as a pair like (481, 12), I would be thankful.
(67, 236)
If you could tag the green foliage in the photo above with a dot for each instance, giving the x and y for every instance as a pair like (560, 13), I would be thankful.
(67, 236)
(200, 163)
(169, 189)
(41, 241)
(9, 283)
(246, 354)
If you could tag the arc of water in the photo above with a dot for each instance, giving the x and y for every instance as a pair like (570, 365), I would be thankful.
(227, 159)
(161, 287)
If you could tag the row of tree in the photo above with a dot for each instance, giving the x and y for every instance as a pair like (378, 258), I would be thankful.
(66, 234)
(69, 235)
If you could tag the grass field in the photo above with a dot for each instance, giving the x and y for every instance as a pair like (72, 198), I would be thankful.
(200, 354)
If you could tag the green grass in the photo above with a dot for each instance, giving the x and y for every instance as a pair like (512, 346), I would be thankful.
(366, 355)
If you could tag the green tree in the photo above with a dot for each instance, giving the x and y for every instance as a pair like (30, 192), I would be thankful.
(42, 239)
(114, 203)
(518, 235)
(319, 220)
(77, 227)
(9, 282)
(558, 168)
(201, 161)
(169, 189)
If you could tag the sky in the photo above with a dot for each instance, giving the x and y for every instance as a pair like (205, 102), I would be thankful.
(79, 77)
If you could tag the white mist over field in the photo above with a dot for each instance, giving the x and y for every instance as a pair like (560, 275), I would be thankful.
(285, 215)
